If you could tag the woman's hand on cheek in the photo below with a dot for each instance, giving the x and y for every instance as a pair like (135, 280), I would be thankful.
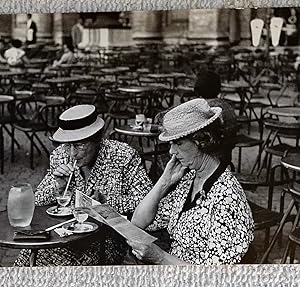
(173, 171)
(149, 253)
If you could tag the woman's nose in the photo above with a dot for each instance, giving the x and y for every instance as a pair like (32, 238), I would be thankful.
(172, 149)
(73, 151)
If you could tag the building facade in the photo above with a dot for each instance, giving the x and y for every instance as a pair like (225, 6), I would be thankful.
(211, 26)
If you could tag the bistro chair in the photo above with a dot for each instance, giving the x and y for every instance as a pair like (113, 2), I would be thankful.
(38, 117)
(6, 119)
(118, 111)
(289, 162)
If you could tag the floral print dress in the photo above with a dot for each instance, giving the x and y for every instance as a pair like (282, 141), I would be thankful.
(216, 228)
(119, 176)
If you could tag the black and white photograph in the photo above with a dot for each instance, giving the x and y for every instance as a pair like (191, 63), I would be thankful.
(182, 124)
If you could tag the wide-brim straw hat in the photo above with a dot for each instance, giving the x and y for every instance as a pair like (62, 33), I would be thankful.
(188, 118)
(78, 123)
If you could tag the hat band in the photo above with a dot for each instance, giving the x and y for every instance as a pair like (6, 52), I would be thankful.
(78, 123)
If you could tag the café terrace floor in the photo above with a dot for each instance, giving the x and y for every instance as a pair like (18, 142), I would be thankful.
(19, 171)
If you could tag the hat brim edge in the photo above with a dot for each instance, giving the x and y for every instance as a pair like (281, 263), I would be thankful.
(164, 137)
(63, 136)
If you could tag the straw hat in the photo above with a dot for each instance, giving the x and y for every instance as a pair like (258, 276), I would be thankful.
(78, 123)
(188, 118)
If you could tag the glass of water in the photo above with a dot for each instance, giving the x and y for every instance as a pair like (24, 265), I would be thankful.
(63, 199)
(80, 216)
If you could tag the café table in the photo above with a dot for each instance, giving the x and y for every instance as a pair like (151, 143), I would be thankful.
(41, 221)
(290, 161)
(6, 79)
(142, 99)
(152, 134)
(285, 112)
(64, 86)
(171, 77)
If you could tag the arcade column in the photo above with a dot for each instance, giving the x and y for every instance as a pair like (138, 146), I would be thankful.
(147, 26)
(44, 23)
(62, 26)
(5, 26)
(245, 16)
(210, 26)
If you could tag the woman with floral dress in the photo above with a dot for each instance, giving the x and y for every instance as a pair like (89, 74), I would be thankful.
(197, 198)
(109, 171)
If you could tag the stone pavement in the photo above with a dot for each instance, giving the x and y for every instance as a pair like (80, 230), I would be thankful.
(19, 171)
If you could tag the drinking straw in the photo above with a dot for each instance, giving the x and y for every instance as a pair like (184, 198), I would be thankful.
(70, 177)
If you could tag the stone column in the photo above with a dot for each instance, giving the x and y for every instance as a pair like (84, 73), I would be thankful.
(62, 26)
(209, 26)
(44, 23)
(234, 27)
(146, 26)
(19, 26)
(245, 18)
(6, 26)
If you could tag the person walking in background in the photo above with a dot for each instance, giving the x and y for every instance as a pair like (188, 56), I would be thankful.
(16, 56)
(31, 30)
(76, 33)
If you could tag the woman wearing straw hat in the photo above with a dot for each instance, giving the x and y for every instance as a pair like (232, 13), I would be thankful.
(197, 199)
(109, 171)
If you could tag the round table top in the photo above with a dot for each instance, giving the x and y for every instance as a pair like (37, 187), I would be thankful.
(6, 99)
(11, 73)
(61, 80)
(129, 130)
(38, 61)
(116, 70)
(236, 84)
(291, 161)
(166, 75)
(136, 89)
(41, 220)
(285, 111)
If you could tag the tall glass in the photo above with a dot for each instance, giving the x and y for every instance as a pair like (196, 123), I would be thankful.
(20, 205)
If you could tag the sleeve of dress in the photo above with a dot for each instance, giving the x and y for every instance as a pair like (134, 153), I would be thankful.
(136, 183)
(163, 213)
(231, 229)
(45, 192)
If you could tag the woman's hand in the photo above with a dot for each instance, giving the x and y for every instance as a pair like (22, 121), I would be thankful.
(174, 171)
(61, 174)
(150, 253)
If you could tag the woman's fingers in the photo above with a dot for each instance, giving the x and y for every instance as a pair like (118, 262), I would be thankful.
(63, 170)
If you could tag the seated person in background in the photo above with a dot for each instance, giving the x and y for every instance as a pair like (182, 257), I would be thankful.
(68, 56)
(208, 86)
(16, 56)
(2, 59)
(197, 198)
(109, 171)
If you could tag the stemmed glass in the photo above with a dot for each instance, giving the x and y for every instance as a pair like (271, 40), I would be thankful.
(63, 199)
(80, 216)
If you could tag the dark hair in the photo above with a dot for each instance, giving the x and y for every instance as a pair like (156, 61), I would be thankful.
(208, 84)
(29, 15)
(209, 138)
(70, 46)
(16, 43)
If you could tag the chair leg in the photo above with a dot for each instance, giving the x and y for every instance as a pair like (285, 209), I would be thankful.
(12, 144)
(42, 144)
(288, 247)
(2, 149)
(292, 252)
(267, 238)
(278, 230)
(239, 159)
(31, 151)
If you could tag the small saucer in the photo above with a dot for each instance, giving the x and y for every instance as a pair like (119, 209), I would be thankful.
(60, 211)
(84, 227)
